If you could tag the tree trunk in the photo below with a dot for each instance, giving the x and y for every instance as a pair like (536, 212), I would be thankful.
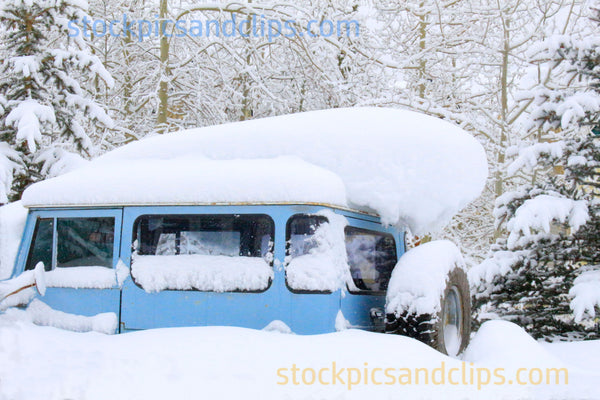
(163, 90)
(500, 156)
(422, 43)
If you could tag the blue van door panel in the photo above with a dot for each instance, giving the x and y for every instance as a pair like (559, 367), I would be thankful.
(87, 302)
(176, 308)
(172, 308)
(74, 300)
(358, 308)
(313, 313)
(362, 308)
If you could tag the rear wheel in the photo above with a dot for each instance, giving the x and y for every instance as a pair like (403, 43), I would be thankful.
(449, 329)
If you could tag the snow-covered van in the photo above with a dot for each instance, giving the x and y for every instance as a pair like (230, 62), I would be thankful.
(295, 222)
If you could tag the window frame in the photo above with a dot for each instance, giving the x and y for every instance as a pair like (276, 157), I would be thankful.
(351, 287)
(137, 218)
(54, 215)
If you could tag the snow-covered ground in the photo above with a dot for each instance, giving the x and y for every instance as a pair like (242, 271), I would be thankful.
(230, 363)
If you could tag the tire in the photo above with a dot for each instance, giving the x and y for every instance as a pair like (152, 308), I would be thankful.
(435, 329)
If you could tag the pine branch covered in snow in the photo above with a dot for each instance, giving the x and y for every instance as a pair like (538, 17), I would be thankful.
(579, 102)
(44, 90)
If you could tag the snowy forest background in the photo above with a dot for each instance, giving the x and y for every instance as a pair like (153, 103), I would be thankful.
(515, 74)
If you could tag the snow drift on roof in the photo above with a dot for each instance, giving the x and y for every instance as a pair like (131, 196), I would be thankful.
(410, 168)
(190, 181)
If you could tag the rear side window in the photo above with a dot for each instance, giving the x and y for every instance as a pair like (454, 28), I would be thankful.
(300, 234)
(72, 242)
(217, 235)
(316, 261)
(371, 257)
(203, 252)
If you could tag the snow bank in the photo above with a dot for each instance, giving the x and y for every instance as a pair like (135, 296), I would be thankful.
(419, 279)
(410, 168)
(581, 354)
(506, 349)
(201, 272)
(325, 267)
(12, 222)
(586, 295)
(505, 343)
(218, 362)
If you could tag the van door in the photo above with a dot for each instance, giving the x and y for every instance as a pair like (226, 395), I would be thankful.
(80, 252)
(190, 268)
(372, 254)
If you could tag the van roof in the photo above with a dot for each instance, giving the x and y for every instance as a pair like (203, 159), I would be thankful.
(194, 182)
(410, 168)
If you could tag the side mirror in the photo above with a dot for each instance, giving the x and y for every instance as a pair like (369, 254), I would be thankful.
(39, 278)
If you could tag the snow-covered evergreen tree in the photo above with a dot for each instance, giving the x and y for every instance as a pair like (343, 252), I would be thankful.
(553, 240)
(44, 105)
(545, 274)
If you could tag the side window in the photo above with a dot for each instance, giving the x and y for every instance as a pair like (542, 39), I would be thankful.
(76, 242)
(41, 245)
(300, 234)
(372, 257)
(315, 257)
(84, 242)
(203, 252)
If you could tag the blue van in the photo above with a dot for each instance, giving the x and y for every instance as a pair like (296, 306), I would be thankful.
(214, 227)
(261, 239)
(227, 264)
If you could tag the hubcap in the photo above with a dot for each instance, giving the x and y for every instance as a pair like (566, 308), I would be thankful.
(452, 322)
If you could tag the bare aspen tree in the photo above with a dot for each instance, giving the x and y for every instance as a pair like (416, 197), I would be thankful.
(163, 90)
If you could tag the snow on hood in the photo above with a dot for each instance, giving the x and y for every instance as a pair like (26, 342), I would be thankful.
(410, 168)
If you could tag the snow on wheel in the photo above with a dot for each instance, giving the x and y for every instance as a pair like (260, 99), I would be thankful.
(428, 297)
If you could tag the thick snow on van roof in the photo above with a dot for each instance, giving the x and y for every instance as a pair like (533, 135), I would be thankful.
(409, 168)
